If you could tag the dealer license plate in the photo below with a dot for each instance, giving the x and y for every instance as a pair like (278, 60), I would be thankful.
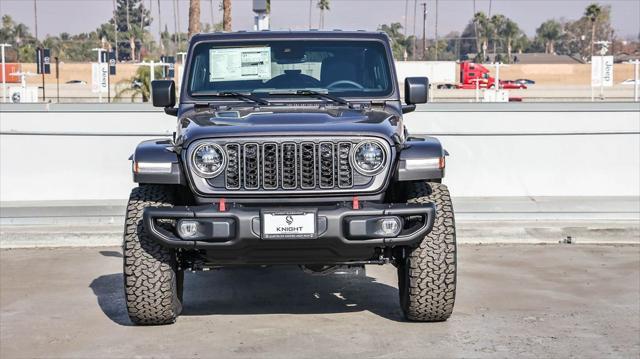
(288, 224)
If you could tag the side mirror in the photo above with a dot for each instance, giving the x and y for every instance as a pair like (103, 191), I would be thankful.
(416, 90)
(163, 93)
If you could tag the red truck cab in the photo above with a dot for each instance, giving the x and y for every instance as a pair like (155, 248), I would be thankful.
(470, 73)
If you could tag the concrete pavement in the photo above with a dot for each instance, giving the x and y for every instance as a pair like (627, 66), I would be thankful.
(513, 301)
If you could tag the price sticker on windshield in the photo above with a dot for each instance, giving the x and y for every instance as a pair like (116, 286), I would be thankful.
(240, 63)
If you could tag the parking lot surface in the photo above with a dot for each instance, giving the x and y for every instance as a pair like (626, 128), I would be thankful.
(513, 301)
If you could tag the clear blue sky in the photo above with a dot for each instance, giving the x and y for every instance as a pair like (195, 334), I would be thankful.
(73, 16)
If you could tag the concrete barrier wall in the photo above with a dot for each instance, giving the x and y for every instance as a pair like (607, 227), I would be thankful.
(79, 152)
(547, 74)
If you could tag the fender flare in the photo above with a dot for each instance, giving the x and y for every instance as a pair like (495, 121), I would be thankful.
(421, 159)
(154, 162)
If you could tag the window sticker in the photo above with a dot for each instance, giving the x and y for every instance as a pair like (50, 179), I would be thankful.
(240, 63)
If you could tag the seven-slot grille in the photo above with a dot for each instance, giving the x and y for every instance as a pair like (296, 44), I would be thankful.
(288, 165)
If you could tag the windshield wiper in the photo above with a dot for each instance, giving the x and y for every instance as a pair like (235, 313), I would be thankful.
(325, 96)
(240, 95)
(336, 99)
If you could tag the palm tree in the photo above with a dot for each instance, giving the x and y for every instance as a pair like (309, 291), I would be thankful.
(194, 17)
(549, 32)
(323, 5)
(497, 23)
(510, 31)
(226, 15)
(481, 22)
(400, 44)
(592, 12)
(142, 87)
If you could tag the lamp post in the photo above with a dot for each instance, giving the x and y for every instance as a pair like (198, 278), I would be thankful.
(4, 74)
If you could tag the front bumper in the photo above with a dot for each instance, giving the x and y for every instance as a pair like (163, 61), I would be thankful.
(332, 243)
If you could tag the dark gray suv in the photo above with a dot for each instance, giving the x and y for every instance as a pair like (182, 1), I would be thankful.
(290, 148)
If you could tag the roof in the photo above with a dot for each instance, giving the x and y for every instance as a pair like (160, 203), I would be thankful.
(289, 34)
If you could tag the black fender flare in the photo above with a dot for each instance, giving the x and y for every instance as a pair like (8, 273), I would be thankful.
(421, 159)
(155, 162)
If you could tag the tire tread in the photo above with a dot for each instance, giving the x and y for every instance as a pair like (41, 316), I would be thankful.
(150, 274)
(430, 269)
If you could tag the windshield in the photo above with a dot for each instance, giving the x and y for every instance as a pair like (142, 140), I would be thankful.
(343, 68)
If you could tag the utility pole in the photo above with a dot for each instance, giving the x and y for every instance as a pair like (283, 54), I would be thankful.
(4, 74)
(175, 26)
(436, 52)
(424, 31)
(475, 30)
(35, 15)
(179, 27)
(406, 15)
(160, 28)
(310, 12)
(415, 39)
(115, 26)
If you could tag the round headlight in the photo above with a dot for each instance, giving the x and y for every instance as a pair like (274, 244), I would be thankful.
(369, 158)
(208, 160)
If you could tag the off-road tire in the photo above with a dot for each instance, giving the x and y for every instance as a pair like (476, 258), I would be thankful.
(427, 274)
(152, 281)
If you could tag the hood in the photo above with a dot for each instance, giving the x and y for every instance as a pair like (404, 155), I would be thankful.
(290, 121)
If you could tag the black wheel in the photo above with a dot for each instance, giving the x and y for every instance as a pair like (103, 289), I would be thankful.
(152, 281)
(427, 274)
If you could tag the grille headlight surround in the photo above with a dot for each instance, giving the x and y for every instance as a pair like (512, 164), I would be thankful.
(369, 158)
(208, 160)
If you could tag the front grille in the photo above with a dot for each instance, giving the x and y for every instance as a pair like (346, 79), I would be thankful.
(288, 165)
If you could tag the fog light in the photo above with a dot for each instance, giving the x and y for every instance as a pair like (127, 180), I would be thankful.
(388, 226)
(188, 229)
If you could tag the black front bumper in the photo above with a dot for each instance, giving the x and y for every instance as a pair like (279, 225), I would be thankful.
(332, 243)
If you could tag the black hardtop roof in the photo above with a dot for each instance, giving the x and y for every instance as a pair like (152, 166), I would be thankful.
(289, 34)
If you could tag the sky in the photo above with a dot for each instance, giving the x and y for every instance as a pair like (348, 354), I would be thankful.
(75, 16)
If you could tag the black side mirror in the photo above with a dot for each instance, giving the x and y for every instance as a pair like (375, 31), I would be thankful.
(163, 93)
(416, 90)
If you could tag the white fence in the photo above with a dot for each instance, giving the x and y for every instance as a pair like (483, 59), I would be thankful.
(79, 152)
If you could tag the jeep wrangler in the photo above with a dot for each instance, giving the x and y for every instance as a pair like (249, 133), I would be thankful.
(290, 148)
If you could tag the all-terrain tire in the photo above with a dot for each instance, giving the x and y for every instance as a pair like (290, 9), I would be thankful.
(152, 281)
(427, 275)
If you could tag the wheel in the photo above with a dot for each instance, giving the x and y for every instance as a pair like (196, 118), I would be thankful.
(427, 274)
(152, 281)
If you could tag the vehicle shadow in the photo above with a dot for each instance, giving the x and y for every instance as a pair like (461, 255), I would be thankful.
(271, 290)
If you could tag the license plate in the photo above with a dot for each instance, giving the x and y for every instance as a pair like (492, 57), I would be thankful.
(288, 224)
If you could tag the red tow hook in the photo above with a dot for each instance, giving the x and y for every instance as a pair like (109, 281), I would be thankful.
(222, 206)
(356, 202)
